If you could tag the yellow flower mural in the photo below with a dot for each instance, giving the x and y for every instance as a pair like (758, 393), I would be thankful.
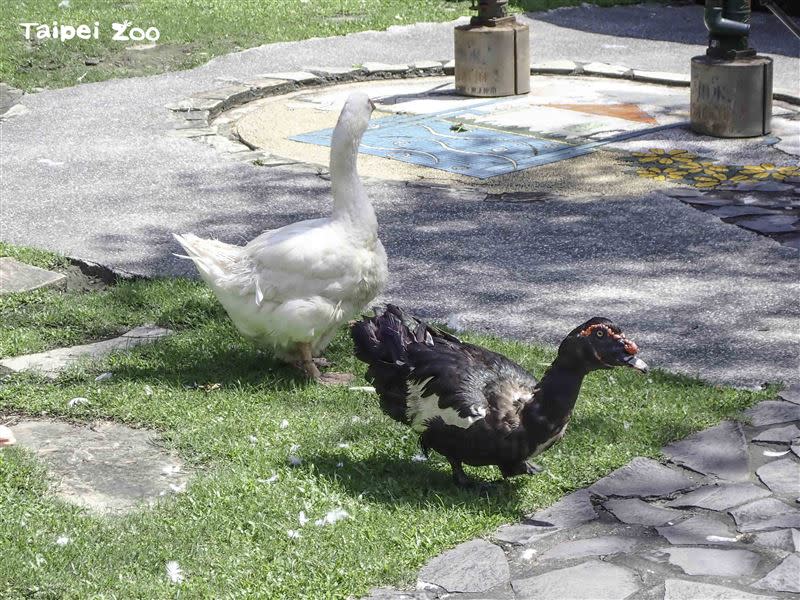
(664, 157)
(677, 164)
(765, 171)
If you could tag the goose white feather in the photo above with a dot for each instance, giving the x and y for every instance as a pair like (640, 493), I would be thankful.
(298, 284)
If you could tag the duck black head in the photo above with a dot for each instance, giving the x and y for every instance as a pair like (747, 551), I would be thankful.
(599, 344)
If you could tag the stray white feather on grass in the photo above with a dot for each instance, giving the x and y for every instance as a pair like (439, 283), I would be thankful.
(284, 424)
(337, 514)
(293, 534)
(362, 388)
(104, 376)
(293, 459)
(148, 391)
(77, 401)
(272, 479)
(253, 439)
(302, 518)
(344, 445)
(174, 572)
(419, 457)
(63, 540)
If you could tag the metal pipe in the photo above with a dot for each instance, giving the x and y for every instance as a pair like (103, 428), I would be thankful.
(728, 27)
(782, 16)
(717, 23)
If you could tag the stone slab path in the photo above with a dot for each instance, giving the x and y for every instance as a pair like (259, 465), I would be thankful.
(16, 276)
(719, 520)
(53, 362)
(104, 467)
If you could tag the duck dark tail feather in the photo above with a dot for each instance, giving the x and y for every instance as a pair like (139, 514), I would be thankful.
(382, 342)
(382, 338)
(385, 337)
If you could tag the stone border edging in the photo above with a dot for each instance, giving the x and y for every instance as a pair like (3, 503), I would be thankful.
(202, 108)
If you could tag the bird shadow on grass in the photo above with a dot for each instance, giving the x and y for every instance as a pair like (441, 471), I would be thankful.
(178, 360)
(396, 481)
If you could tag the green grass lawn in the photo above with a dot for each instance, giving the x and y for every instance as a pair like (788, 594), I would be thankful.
(228, 531)
(193, 31)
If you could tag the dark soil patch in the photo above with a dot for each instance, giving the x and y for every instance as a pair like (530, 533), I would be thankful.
(78, 281)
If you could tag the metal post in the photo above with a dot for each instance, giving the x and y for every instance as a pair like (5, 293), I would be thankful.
(731, 91)
(492, 53)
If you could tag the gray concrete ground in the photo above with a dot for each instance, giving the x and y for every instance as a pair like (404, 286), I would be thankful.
(92, 171)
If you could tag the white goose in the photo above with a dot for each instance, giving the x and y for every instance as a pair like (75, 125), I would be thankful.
(290, 289)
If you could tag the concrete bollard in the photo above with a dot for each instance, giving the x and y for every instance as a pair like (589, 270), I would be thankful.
(731, 98)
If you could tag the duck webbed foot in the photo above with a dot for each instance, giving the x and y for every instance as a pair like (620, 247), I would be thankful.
(459, 477)
(521, 468)
(465, 483)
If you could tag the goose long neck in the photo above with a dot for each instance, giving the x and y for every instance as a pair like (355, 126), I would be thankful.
(558, 390)
(350, 201)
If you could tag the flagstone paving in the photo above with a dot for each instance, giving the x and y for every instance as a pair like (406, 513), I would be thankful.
(20, 277)
(696, 527)
(104, 467)
(53, 362)
(636, 511)
(720, 451)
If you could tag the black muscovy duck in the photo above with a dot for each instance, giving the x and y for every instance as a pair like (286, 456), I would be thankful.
(475, 406)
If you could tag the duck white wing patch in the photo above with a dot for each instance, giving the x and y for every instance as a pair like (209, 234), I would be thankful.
(547, 443)
(420, 410)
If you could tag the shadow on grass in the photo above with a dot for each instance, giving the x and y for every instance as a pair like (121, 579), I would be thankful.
(395, 481)
(211, 354)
